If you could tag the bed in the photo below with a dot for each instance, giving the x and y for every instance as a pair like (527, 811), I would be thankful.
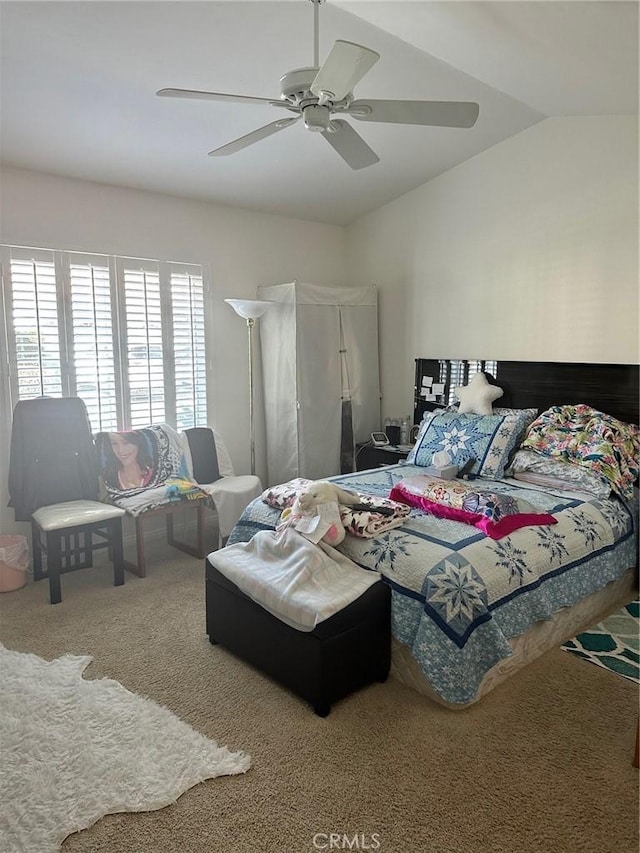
(469, 610)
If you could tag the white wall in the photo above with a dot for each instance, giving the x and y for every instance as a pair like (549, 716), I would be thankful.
(528, 251)
(243, 249)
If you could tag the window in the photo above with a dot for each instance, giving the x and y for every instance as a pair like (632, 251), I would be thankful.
(125, 335)
(460, 372)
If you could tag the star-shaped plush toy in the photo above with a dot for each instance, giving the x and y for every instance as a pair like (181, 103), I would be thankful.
(477, 397)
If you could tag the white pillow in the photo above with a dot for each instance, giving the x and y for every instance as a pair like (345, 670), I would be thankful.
(476, 397)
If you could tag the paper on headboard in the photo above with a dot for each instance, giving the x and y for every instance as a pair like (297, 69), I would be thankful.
(427, 381)
(438, 388)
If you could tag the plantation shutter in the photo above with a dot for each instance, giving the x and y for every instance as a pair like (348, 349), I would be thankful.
(92, 327)
(125, 335)
(460, 372)
(187, 302)
(33, 325)
(144, 353)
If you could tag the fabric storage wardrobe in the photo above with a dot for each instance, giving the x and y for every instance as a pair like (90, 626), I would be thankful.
(320, 376)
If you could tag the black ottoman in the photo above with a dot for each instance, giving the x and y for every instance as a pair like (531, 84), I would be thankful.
(350, 649)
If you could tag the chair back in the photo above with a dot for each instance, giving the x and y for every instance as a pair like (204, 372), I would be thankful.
(52, 457)
(204, 454)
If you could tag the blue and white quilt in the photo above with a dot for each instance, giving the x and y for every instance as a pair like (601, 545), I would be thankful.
(457, 595)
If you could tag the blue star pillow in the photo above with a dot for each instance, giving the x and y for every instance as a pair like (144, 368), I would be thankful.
(487, 439)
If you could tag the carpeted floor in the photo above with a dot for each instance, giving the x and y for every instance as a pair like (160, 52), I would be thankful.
(541, 764)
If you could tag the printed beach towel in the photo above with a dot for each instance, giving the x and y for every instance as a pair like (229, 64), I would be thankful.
(143, 468)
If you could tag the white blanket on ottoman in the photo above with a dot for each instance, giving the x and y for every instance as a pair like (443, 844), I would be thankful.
(296, 581)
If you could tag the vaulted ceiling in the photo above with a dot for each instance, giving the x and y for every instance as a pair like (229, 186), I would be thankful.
(78, 82)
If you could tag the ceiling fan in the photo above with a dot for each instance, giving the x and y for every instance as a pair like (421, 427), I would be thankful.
(321, 94)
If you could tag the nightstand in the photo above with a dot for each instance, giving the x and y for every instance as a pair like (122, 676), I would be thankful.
(368, 456)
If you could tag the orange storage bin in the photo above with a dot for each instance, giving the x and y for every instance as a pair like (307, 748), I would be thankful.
(14, 562)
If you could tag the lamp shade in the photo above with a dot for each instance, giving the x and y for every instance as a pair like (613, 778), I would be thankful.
(249, 309)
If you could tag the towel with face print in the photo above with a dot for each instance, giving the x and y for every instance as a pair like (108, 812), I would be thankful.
(144, 468)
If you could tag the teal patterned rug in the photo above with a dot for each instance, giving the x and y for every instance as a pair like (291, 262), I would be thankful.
(613, 644)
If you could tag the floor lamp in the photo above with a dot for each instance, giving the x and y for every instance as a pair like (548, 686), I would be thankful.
(250, 310)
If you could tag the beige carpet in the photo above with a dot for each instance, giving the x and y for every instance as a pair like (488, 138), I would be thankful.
(541, 764)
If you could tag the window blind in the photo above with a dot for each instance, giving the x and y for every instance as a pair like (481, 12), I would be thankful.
(93, 344)
(34, 326)
(189, 353)
(125, 335)
(145, 355)
(460, 372)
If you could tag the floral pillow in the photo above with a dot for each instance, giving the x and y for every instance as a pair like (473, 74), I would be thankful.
(488, 440)
(283, 495)
(533, 467)
(495, 514)
(597, 442)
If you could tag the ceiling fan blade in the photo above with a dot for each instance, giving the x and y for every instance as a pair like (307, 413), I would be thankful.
(254, 136)
(436, 113)
(217, 96)
(350, 145)
(346, 64)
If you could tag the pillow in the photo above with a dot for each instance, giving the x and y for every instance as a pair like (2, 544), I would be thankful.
(495, 514)
(521, 419)
(283, 495)
(477, 397)
(532, 467)
(589, 439)
(527, 416)
(487, 439)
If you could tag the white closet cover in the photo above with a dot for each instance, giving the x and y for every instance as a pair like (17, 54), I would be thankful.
(319, 346)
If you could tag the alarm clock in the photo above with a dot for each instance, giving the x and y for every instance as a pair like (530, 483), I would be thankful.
(379, 439)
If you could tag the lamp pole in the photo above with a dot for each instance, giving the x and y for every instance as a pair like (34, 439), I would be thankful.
(252, 433)
(250, 310)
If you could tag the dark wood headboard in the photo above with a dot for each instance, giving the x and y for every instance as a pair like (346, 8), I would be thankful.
(610, 388)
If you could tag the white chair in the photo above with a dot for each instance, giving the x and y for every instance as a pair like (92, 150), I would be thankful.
(212, 469)
(65, 532)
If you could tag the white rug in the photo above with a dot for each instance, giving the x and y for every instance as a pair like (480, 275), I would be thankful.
(72, 751)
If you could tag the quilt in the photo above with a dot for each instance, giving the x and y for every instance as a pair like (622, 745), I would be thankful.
(457, 595)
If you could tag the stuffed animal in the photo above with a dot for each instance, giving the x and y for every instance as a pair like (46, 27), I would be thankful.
(316, 513)
(322, 492)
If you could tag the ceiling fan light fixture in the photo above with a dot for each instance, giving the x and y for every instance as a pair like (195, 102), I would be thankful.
(317, 117)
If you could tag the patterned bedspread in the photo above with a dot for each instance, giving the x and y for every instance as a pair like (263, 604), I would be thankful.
(457, 595)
